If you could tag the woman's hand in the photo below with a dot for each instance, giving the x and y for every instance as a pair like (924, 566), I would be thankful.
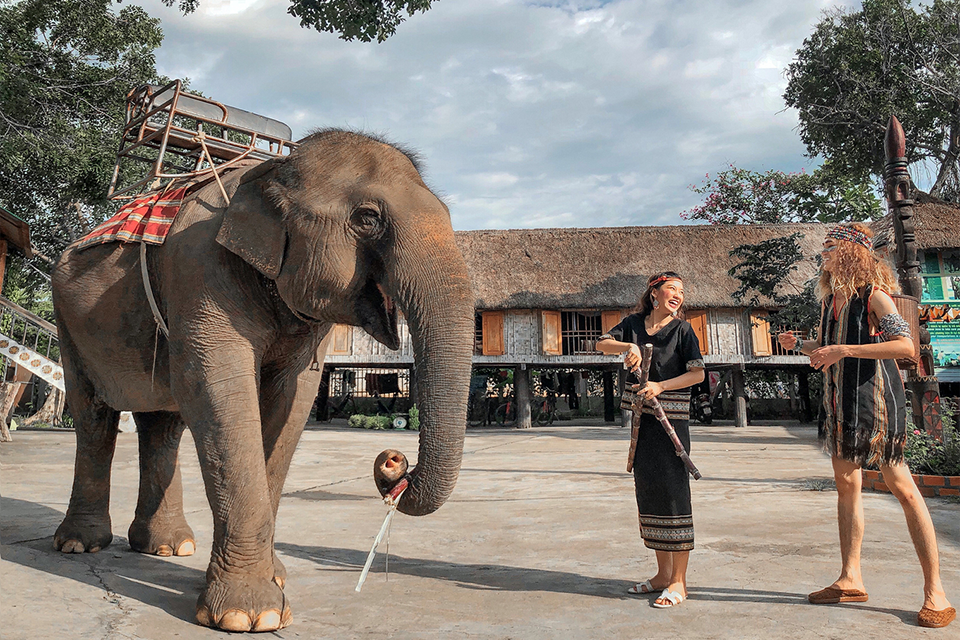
(823, 357)
(787, 340)
(632, 359)
(650, 390)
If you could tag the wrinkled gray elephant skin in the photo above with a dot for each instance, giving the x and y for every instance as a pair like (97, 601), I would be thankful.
(334, 233)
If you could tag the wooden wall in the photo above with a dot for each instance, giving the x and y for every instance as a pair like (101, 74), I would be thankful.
(730, 334)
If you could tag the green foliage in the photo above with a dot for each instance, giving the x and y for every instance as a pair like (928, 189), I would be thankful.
(26, 287)
(414, 418)
(356, 421)
(741, 196)
(926, 455)
(65, 70)
(858, 68)
(363, 20)
(377, 422)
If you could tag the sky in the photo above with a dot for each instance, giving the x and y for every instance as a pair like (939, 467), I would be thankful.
(528, 114)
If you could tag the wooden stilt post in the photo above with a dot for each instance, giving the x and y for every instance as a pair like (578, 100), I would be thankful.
(740, 396)
(521, 388)
(803, 390)
(323, 396)
(608, 404)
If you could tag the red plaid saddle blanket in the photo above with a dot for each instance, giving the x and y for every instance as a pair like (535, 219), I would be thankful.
(146, 218)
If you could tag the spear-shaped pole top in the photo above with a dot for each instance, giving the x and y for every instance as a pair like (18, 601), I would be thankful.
(895, 142)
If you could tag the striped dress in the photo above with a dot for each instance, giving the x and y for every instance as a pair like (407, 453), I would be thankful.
(661, 481)
(863, 416)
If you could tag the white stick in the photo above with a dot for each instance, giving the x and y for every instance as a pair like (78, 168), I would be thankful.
(373, 549)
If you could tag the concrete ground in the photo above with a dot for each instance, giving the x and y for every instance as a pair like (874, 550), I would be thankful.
(538, 541)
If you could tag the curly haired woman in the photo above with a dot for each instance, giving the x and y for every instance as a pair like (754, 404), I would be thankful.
(863, 416)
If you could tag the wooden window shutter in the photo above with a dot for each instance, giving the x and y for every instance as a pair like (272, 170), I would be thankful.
(698, 320)
(760, 328)
(608, 320)
(493, 333)
(550, 321)
(342, 343)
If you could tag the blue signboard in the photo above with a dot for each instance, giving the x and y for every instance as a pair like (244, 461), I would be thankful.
(941, 294)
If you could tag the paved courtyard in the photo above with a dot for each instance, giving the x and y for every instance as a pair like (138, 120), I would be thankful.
(538, 541)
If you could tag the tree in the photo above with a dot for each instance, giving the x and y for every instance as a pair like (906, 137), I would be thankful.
(860, 67)
(65, 70)
(740, 196)
(362, 20)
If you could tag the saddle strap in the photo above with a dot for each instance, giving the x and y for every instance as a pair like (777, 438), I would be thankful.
(149, 290)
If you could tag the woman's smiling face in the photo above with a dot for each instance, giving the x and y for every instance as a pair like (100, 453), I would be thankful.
(828, 253)
(670, 295)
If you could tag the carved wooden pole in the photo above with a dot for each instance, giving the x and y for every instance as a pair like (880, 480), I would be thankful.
(921, 383)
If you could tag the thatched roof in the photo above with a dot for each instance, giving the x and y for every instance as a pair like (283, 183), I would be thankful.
(607, 268)
(937, 224)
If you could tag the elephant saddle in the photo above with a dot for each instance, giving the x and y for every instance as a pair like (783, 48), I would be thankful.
(148, 217)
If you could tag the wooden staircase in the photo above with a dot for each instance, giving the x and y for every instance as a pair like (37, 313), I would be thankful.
(29, 346)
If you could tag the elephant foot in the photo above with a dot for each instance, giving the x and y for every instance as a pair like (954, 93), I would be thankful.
(173, 538)
(79, 534)
(279, 571)
(243, 603)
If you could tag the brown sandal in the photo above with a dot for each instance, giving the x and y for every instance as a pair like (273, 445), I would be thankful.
(835, 595)
(928, 617)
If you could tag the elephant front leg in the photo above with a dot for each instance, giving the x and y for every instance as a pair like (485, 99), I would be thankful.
(87, 527)
(285, 405)
(159, 526)
(219, 402)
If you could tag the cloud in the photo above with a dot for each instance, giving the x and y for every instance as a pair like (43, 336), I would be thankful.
(527, 113)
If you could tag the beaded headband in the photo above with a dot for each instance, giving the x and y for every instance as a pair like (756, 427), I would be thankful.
(657, 280)
(850, 234)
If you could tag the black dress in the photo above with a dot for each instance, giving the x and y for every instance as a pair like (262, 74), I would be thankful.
(863, 417)
(660, 477)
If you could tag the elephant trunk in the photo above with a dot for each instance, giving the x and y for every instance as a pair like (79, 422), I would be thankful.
(436, 298)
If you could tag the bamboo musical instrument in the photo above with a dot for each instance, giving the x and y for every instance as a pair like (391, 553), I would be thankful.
(646, 352)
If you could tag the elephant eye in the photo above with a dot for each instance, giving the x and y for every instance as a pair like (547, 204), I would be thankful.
(367, 222)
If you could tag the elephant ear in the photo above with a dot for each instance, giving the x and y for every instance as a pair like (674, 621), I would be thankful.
(252, 224)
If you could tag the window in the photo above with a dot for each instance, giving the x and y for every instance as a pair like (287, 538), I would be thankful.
(478, 334)
(760, 332)
(579, 332)
(698, 320)
(492, 333)
(342, 344)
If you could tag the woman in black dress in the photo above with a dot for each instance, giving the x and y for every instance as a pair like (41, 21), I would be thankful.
(660, 477)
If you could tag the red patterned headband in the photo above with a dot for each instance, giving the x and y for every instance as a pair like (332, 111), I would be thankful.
(850, 234)
(663, 278)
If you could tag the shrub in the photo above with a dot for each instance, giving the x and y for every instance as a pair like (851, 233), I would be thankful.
(414, 422)
(356, 421)
(927, 455)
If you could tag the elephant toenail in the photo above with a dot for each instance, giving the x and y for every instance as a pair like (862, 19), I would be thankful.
(94, 549)
(235, 620)
(72, 546)
(186, 548)
(164, 550)
(203, 617)
(268, 621)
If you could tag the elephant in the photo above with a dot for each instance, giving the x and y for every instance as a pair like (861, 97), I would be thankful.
(341, 230)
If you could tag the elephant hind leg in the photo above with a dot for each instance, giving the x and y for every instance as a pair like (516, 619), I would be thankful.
(159, 526)
(87, 526)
